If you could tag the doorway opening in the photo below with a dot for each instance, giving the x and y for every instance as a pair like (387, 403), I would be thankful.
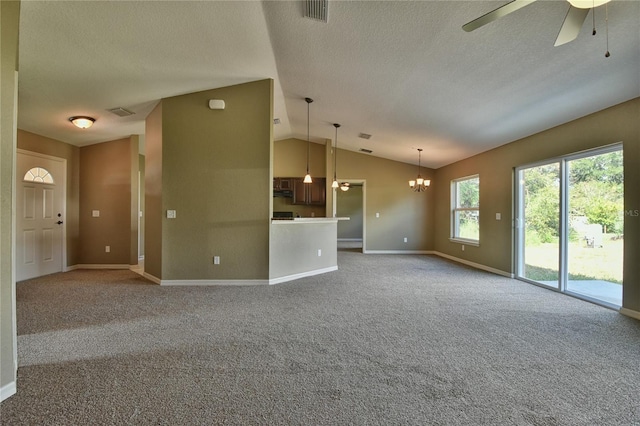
(570, 224)
(351, 233)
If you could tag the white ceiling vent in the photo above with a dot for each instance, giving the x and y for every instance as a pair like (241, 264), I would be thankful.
(316, 9)
(364, 136)
(121, 112)
(365, 150)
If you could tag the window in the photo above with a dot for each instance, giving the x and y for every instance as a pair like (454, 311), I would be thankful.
(465, 209)
(38, 174)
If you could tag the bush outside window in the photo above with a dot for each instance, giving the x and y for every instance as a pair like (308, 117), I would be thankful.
(465, 207)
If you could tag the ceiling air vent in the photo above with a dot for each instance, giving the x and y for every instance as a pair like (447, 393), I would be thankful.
(121, 112)
(316, 9)
(365, 150)
(364, 136)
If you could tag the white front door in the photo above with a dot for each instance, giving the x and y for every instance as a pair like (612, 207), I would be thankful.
(40, 184)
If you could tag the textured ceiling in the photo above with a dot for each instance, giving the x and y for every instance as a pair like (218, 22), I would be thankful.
(402, 71)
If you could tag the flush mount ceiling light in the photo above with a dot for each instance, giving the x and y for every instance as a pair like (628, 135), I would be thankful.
(82, 121)
(419, 184)
(307, 177)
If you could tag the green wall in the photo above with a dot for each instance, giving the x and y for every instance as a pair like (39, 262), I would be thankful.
(215, 171)
(620, 123)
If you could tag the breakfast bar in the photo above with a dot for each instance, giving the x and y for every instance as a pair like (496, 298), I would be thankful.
(302, 247)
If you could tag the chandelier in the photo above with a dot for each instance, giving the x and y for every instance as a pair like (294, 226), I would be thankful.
(419, 184)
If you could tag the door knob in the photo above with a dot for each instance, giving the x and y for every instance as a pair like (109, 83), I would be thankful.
(59, 222)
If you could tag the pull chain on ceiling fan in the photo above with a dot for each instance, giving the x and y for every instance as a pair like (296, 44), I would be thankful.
(573, 21)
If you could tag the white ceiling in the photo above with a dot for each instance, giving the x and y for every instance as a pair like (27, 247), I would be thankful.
(402, 71)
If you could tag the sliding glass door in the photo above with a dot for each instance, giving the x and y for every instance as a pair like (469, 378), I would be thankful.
(540, 223)
(569, 217)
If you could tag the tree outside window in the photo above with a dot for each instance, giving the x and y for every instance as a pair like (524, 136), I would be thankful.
(465, 203)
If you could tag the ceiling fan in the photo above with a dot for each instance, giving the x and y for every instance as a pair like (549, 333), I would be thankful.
(578, 10)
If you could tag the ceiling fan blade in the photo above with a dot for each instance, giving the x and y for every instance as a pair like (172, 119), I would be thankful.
(498, 13)
(571, 25)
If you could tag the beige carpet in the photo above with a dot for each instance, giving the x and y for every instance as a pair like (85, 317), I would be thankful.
(384, 340)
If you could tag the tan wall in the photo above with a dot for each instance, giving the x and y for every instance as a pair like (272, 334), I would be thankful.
(43, 145)
(216, 174)
(290, 158)
(9, 21)
(153, 193)
(403, 213)
(105, 176)
(620, 123)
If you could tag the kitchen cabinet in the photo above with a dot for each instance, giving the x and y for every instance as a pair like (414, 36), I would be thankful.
(310, 193)
(282, 184)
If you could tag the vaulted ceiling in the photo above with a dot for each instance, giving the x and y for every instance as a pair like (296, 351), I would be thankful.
(402, 71)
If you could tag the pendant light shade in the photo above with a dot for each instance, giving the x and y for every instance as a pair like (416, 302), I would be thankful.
(335, 160)
(307, 177)
(419, 184)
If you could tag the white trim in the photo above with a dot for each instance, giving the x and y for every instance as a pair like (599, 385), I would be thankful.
(630, 313)
(464, 241)
(399, 252)
(475, 265)
(287, 278)
(152, 278)
(340, 240)
(213, 282)
(98, 266)
(7, 390)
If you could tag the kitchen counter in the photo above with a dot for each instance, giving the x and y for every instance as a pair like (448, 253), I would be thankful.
(299, 220)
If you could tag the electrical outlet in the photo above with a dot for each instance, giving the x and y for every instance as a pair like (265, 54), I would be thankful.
(107, 249)
(216, 260)
(319, 252)
(463, 247)
(377, 214)
(405, 239)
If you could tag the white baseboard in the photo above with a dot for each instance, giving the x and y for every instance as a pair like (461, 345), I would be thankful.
(288, 278)
(475, 265)
(630, 313)
(399, 252)
(152, 278)
(7, 390)
(96, 266)
(358, 240)
(213, 282)
(271, 281)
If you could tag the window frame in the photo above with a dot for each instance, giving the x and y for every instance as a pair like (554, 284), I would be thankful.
(456, 209)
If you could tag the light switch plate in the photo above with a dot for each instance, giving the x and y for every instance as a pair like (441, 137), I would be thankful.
(95, 213)
(171, 214)
(498, 216)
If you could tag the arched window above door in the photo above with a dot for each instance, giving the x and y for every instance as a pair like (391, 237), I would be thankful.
(38, 174)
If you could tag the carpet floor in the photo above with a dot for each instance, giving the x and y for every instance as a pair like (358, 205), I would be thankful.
(410, 340)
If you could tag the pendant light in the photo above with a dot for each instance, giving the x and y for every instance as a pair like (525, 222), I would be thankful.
(335, 160)
(344, 186)
(307, 177)
(419, 184)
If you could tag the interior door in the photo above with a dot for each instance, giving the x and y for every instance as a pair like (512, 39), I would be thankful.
(40, 184)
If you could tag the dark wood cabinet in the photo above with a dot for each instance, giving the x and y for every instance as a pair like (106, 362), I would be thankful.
(314, 193)
(282, 184)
